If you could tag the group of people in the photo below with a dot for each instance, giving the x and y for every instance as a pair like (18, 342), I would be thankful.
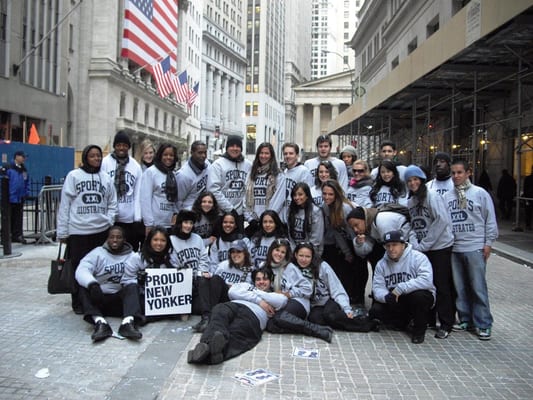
(282, 249)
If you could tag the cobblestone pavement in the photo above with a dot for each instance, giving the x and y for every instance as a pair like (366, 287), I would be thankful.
(39, 331)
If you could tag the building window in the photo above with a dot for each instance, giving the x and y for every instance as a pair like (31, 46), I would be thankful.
(250, 139)
(432, 26)
(394, 63)
(122, 106)
(412, 46)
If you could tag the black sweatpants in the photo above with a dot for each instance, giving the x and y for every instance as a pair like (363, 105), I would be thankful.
(331, 314)
(414, 305)
(441, 263)
(207, 293)
(124, 303)
(238, 324)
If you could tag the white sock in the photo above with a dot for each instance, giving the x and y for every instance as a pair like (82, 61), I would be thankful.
(97, 319)
(127, 320)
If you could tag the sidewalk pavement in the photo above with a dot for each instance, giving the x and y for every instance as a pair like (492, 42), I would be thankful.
(39, 331)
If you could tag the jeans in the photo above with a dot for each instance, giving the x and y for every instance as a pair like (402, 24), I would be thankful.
(472, 302)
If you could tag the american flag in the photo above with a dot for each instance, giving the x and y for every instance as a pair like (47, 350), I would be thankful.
(193, 94)
(163, 77)
(150, 31)
(181, 87)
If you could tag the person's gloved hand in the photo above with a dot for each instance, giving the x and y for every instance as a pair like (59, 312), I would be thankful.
(96, 294)
(390, 298)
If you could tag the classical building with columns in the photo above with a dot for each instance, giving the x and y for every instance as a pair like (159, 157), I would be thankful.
(223, 69)
(317, 103)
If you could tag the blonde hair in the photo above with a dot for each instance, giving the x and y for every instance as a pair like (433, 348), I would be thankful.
(145, 144)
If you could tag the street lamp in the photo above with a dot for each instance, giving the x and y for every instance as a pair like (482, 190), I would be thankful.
(352, 81)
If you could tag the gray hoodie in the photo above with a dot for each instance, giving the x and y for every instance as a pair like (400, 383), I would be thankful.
(411, 272)
(104, 267)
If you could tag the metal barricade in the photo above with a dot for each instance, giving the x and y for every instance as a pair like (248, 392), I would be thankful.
(47, 209)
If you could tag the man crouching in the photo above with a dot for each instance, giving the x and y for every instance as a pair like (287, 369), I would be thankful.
(101, 293)
(403, 287)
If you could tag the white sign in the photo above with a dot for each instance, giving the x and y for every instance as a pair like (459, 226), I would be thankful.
(168, 291)
(473, 22)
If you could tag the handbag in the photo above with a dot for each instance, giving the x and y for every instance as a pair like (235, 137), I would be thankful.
(61, 279)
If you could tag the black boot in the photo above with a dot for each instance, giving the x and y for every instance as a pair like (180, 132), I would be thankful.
(292, 323)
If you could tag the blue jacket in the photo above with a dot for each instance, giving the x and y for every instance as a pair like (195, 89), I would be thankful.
(19, 183)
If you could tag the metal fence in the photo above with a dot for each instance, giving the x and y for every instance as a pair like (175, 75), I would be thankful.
(40, 212)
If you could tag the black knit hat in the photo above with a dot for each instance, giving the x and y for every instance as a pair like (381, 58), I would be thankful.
(357, 213)
(121, 137)
(234, 140)
(442, 156)
(186, 215)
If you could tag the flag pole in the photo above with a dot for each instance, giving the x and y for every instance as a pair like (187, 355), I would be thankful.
(156, 60)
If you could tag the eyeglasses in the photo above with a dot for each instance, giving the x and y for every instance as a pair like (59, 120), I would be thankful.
(358, 171)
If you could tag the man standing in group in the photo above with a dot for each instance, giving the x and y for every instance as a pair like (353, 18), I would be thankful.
(294, 171)
(227, 178)
(442, 182)
(192, 177)
(126, 173)
(475, 229)
(387, 151)
(323, 145)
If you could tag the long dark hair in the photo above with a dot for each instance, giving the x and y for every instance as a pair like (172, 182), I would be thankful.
(336, 211)
(212, 215)
(237, 232)
(274, 169)
(171, 188)
(397, 186)
(330, 167)
(422, 192)
(277, 244)
(314, 267)
(278, 232)
(152, 257)
(294, 208)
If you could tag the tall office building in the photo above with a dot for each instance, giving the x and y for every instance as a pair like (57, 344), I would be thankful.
(264, 91)
(223, 69)
(297, 50)
(333, 24)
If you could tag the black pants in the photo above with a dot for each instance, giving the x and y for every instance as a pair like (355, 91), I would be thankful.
(134, 233)
(16, 220)
(331, 314)
(441, 263)
(414, 305)
(294, 307)
(529, 213)
(209, 292)
(124, 303)
(78, 247)
(353, 275)
(506, 207)
(238, 324)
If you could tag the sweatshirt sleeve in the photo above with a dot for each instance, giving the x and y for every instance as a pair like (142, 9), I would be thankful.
(379, 288)
(68, 193)
(365, 248)
(112, 202)
(298, 285)
(146, 198)
(133, 265)
(278, 199)
(86, 268)
(316, 235)
(440, 222)
(244, 291)
(336, 290)
(491, 226)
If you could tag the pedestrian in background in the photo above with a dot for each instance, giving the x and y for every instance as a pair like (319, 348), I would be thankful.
(19, 189)
(505, 193)
(528, 192)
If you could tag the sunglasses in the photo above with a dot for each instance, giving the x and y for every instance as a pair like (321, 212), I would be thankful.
(358, 171)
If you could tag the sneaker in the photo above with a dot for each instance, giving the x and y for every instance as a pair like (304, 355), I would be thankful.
(463, 327)
(484, 333)
(130, 331)
(102, 331)
(442, 333)
(417, 339)
(198, 354)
